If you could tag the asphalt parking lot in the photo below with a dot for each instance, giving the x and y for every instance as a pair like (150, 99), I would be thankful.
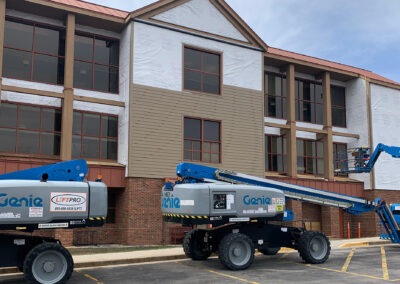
(363, 265)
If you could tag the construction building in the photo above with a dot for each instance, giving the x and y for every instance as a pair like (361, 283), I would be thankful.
(136, 93)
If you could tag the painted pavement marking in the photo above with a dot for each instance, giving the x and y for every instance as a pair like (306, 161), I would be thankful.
(346, 264)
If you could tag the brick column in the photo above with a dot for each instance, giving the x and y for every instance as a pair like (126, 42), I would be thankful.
(330, 221)
(291, 152)
(2, 26)
(297, 208)
(328, 137)
(68, 101)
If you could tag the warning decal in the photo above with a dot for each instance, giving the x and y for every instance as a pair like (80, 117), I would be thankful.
(68, 202)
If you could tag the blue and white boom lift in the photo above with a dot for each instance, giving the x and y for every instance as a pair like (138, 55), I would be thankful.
(245, 212)
(48, 197)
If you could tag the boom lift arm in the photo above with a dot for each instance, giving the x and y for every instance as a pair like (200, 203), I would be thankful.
(193, 173)
(363, 160)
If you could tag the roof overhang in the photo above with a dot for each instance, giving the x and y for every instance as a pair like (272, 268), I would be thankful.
(59, 11)
(307, 67)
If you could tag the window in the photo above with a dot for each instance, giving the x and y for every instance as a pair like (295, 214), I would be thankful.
(338, 100)
(310, 157)
(309, 101)
(202, 71)
(94, 136)
(202, 140)
(275, 95)
(33, 52)
(96, 64)
(30, 129)
(275, 154)
(340, 153)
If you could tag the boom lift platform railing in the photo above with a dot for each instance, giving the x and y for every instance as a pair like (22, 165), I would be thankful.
(361, 160)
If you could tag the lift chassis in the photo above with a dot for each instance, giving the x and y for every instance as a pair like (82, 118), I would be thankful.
(48, 197)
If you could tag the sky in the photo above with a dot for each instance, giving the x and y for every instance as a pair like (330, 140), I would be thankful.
(360, 33)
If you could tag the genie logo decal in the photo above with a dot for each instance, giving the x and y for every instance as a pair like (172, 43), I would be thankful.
(29, 201)
(68, 202)
(247, 200)
(171, 202)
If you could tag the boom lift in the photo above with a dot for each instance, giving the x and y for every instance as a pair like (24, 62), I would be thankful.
(243, 211)
(362, 161)
(48, 197)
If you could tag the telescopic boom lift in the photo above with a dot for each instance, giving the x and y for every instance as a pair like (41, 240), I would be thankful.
(243, 211)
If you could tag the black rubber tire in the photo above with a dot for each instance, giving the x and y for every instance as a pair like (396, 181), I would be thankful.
(37, 251)
(192, 245)
(269, 251)
(305, 247)
(225, 250)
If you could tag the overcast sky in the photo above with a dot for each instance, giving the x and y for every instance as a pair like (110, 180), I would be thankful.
(361, 33)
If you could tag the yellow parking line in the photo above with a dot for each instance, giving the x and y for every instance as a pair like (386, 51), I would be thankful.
(339, 271)
(233, 277)
(385, 271)
(92, 278)
(346, 264)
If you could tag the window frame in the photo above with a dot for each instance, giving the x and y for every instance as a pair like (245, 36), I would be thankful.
(282, 156)
(339, 107)
(95, 36)
(40, 131)
(32, 51)
(283, 98)
(220, 75)
(94, 136)
(201, 140)
(305, 158)
(314, 102)
(335, 164)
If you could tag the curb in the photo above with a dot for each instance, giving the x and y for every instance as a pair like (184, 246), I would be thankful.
(81, 265)
(364, 244)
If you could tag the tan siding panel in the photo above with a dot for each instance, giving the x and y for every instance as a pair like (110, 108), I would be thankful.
(157, 129)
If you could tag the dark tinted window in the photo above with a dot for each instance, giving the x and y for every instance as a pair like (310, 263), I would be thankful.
(309, 101)
(30, 129)
(91, 124)
(338, 106)
(17, 64)
(96, 63)
(202, 141)
(48, 68)
(83, 48)
(95, 136)
(192, 128)
(51, 119)
(18, 35)
(106, 52)
(340, 158)
(310, 158)
(33, 52)
(201, 71)
(275, 96)
(49, 41)
(211, 130)
(275, 154)
(83, 75)
(109, 126)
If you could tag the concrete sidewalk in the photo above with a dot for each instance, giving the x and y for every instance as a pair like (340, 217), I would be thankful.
(150, 255)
